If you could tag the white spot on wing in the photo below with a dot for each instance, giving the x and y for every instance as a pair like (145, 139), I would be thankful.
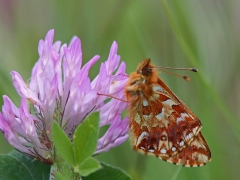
(147, 117)
(142, 136)
(182, 117)
(179, 119)
(189, 136)
(173, 149)
(137, 118)
(164, 133)
(151, 98)
(151, 150)
(155, 96)
(181, 143)
(160, 115)
(157, 89)
(163, 151)
(145, 103)
(169, 102)
(195, 130)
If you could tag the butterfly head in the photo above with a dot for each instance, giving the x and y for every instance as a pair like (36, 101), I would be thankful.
(145, 68)
(140, 81)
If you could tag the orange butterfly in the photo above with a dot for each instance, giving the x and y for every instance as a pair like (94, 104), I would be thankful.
(160, 123)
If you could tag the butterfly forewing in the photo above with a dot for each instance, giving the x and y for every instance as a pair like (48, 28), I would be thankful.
(160, 123)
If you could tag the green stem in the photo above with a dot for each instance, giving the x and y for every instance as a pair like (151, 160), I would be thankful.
(175, 174)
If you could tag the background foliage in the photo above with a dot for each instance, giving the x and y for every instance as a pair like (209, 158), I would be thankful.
(203, 34)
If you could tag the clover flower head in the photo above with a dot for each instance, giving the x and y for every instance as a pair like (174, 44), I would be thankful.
(61, 90)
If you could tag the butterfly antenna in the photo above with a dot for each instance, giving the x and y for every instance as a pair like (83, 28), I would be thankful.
(162, 68)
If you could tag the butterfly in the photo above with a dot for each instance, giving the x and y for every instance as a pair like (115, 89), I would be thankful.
(160, 123)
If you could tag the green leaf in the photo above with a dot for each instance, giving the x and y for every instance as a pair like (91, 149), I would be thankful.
(89, 166)
(15, 165)
(62, 172)
(60, 176)
(108, 172)
(85, 138)
(63, 144)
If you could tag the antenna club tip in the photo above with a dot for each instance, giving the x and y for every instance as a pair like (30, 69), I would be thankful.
(194, 70)
(186, 78)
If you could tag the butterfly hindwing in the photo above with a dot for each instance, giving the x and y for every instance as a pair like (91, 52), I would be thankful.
(194, 155)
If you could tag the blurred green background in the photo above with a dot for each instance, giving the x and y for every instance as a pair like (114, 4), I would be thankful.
(180, 33)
